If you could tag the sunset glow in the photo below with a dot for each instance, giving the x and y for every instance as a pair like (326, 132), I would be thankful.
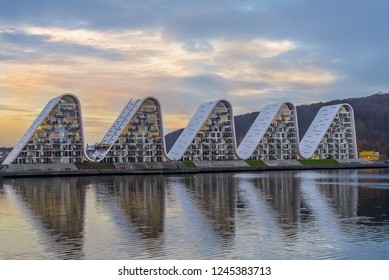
(248, 53)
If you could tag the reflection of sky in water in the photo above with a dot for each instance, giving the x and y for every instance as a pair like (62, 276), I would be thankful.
(19, 236)
(334, 214)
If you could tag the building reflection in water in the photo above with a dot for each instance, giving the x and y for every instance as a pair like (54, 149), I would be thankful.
(339, 191)
(216, 196)
(274, 200)
(358, 194)
(281, 215)
(59, 206)
(281, 190)
(295, 199)
(141, 200)
(373, 194)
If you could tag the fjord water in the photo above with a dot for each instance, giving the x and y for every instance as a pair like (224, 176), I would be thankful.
(338, 214)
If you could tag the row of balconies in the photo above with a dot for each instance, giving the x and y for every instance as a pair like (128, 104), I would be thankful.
(282, 123)
(219, 112)
(336, 146)
(335, 152)
(124, 141)
(127, 153)
(278, 141)
(133, 159)
(137, 147)
(41, 160)
(207, 158)
(51, 154)
(67, 107)
(150, 110)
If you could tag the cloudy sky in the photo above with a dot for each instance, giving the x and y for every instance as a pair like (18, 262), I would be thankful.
(250, 52)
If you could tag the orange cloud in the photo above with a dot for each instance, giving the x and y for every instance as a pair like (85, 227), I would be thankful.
(151, 64)
(173, 122)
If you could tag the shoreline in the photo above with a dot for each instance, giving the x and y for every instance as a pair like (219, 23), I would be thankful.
(68, 170)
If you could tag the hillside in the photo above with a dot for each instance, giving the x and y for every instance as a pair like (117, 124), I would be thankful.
(371, 117)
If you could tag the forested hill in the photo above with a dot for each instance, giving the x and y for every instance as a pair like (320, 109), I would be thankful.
(371, 116)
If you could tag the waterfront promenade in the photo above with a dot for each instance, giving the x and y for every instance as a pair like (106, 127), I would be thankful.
(80, 169)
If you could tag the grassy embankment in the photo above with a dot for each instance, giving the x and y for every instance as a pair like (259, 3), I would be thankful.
(255, 163)
(189, 164)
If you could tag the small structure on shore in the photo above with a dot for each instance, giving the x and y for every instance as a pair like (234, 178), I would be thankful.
(370, 155)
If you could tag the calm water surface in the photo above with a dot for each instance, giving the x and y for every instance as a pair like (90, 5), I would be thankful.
(342, 214)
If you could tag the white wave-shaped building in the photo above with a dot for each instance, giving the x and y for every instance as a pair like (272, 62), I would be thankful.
(331, 134)
(56, 135)
(137, 135)
(209, 136)
(273, 135)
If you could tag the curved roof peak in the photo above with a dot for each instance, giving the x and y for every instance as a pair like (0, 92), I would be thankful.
(195, 124)
(113, 134)
(44, 116)
(320, 125)
(259, 127)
